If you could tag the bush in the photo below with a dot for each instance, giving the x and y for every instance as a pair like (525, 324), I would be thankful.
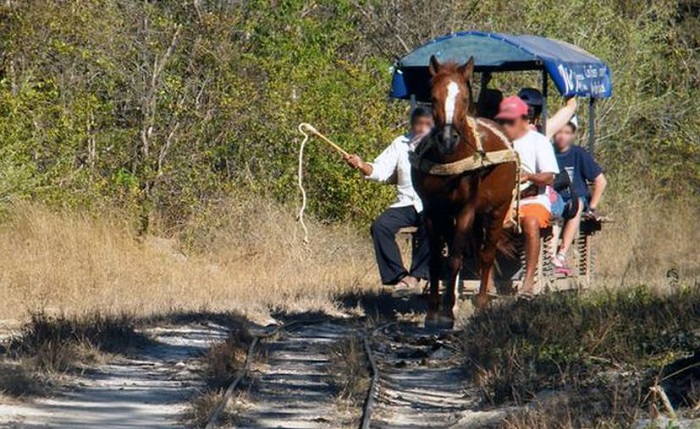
(159, 107)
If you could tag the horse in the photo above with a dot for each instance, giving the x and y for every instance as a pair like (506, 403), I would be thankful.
(465, 172)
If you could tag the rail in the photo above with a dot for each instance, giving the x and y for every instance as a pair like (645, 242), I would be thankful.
(369, 402)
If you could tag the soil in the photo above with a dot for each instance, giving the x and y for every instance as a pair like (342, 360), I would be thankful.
(147, 391)
(291, 387)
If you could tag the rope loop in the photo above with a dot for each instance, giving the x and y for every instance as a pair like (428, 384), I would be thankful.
(306, 129)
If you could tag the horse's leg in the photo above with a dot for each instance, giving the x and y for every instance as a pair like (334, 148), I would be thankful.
(462, 230)
(493, 232)
(432, 230)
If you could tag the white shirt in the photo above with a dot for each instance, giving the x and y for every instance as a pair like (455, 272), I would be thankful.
(536, 156)
(394, 159)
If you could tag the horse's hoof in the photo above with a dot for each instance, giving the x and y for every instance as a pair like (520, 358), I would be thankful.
(481, 301)
(439, 322)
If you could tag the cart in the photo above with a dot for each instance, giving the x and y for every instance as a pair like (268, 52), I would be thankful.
(574, 72)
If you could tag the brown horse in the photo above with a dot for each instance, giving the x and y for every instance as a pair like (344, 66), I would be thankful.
(461, 208)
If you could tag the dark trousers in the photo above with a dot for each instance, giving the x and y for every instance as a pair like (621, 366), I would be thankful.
(384, 231)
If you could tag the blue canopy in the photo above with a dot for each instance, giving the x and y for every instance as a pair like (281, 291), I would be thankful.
(574, 71)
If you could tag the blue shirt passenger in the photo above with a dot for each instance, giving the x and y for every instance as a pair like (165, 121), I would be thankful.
(581, 168)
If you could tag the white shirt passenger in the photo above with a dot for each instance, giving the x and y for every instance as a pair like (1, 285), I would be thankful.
(393, 162)
(536, 156)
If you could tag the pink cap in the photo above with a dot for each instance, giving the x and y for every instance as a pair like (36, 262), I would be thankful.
(512, 107)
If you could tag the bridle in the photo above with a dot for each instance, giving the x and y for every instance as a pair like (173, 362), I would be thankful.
(473, 145)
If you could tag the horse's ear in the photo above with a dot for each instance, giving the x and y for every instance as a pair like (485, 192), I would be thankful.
(434, 66)
(467, 68)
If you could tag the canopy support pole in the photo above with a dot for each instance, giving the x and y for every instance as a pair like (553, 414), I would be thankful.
(543, 117)
(591, 125)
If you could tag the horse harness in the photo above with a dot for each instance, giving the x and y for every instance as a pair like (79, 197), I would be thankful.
(481, 159)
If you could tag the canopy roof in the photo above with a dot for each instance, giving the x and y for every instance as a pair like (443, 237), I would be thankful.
(573, 70)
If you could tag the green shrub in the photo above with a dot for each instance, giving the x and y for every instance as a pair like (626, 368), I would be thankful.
(160, 107)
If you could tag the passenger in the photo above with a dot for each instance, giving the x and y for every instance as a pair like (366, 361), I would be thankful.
(535, 102)
(581, 169)
(539, 167)
(489, 99)
(405, 212)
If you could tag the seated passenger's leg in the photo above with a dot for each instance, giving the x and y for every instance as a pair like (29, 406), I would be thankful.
(420, 256)
(531, 230)
(533, 217)
(386, 250)
(570, 230)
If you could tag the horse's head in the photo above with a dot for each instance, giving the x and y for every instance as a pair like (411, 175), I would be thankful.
(451, 99)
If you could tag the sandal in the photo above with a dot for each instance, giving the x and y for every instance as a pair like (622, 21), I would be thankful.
(561, 269)
(407, 286)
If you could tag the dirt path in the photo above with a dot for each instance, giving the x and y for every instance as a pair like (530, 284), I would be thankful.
(148, 391)
(292, 387)
(421, 383)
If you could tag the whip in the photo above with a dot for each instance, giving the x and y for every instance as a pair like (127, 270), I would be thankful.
(305, 129)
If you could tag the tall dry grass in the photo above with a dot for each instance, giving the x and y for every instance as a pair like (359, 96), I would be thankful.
(650, 241)
(244, 255)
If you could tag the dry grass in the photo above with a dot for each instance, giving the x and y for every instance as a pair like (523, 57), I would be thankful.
(349, 370)
(650, 241)
(243, 255)
(54, 345)
(221, 364)
(615, 347)
(564, 411)
(224, 360)
(19, 379)
(48, 347)
(350, 376)
(201, 407)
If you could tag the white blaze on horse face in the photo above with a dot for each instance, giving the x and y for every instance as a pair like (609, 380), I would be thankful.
(451, 102)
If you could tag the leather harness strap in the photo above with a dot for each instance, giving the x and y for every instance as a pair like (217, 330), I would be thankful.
(480, 159)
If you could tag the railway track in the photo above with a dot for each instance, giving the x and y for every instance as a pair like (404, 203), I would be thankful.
(416, 380)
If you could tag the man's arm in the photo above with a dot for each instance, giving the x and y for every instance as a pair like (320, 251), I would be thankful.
(592, 172)
(599, 185)
(383, 166)
(546, 165)
(561, 118)
(539, 179)
(355, 161)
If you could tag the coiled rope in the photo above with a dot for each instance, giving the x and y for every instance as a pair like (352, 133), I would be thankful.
(305, 129)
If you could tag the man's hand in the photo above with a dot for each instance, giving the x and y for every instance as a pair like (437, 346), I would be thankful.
(525, 177)
(354, 161)
(591, 213)
(357, 163)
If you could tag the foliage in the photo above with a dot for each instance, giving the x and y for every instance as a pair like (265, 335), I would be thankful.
(161, 107)
(614, 342)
